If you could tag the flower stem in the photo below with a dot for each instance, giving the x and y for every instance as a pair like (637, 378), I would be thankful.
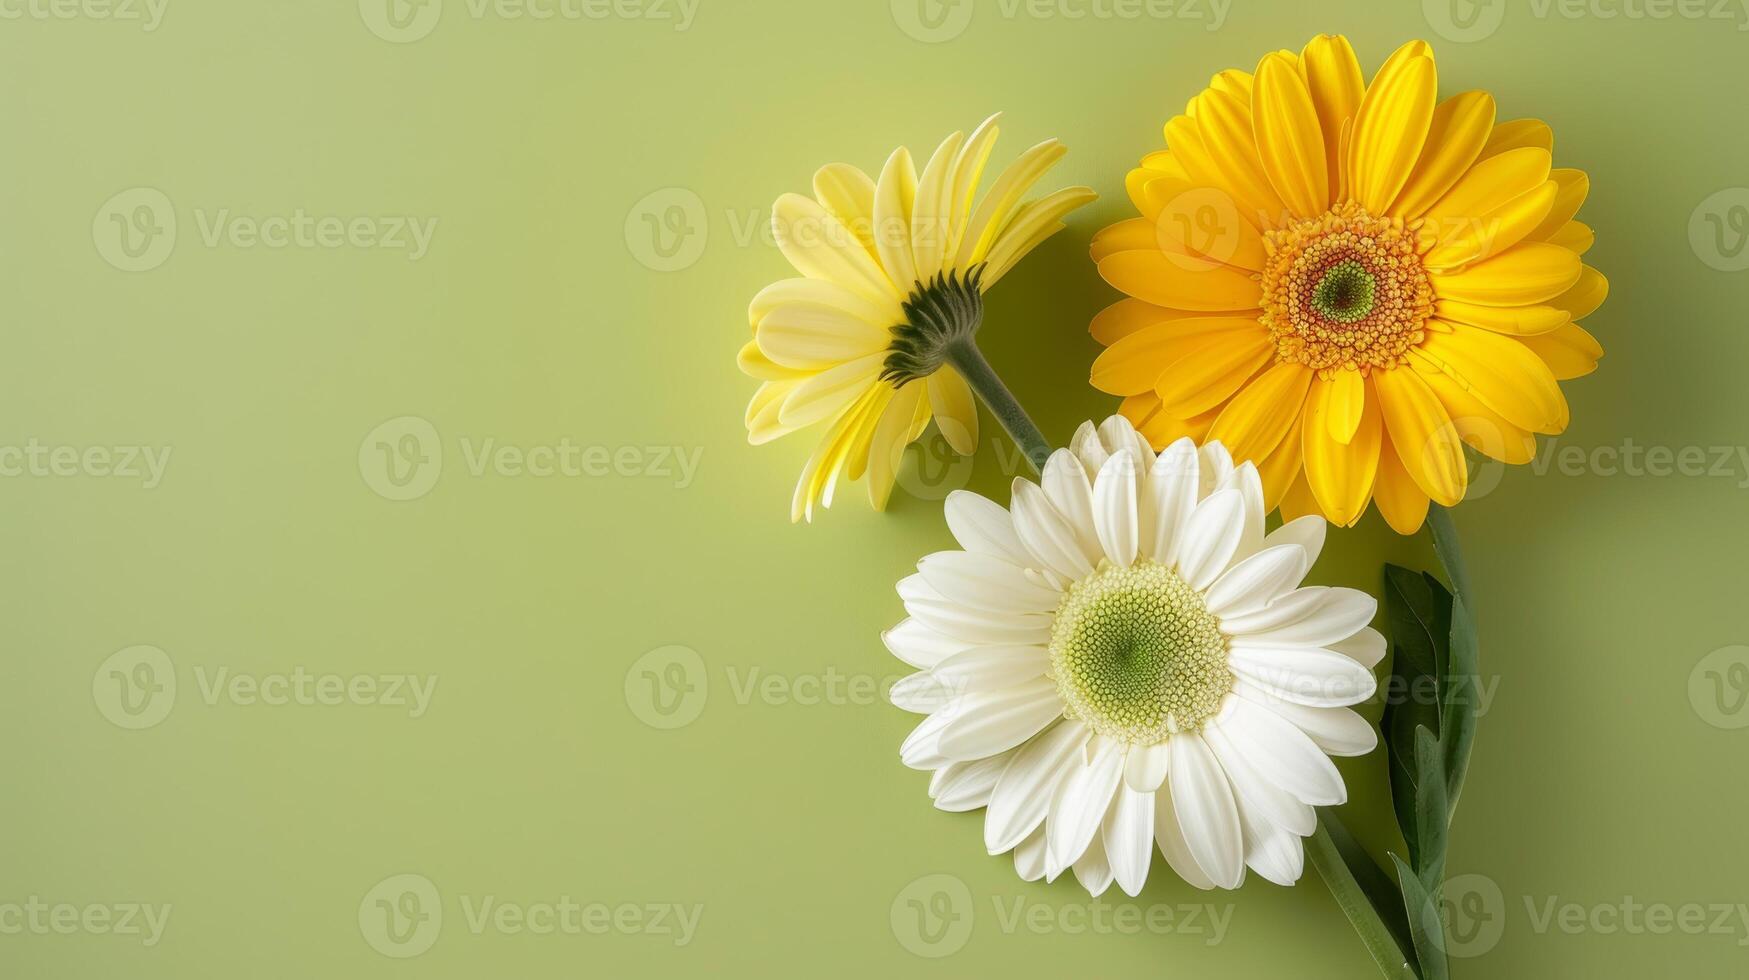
(1354, 880)
(965, 356)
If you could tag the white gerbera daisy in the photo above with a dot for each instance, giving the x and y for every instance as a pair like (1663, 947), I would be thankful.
(1125, 658)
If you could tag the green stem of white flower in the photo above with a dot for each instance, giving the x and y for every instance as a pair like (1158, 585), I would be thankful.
(1345, 875)
(965, 356)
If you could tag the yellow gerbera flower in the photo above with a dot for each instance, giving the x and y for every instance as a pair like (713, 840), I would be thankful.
(874, 338)
(1346, 282)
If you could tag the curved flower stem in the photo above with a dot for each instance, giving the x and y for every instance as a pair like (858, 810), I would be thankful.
(965, 356)
(1360, 888)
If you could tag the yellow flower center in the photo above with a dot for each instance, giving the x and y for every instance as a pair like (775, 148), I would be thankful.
(1345, 291)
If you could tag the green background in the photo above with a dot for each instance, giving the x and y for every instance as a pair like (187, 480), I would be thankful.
(536, 316)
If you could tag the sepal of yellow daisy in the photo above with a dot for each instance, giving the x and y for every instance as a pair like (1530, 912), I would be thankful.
(892, 269)
(1394, 276)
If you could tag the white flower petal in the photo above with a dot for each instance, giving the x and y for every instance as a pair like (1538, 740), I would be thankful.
(1270, 801)
(923, 693)
(1283, 754)
(1206, 812)
(982, 525)
(1257, 581)
(1093, 868)
(1114, 508)
(1023, 792)
(1338, 731)
(1304, 675)
(1210, 537)
(1172, 487)
(1366, 646)
(922, 748)
(1079, 804)
(1117, 432)
(1272, 852)
(1290, 608)
(1088, 448)
(1169, 835)
(981, 669)
(1250, 485)
(1145, 769)
(1339, 614)
(966, 786)
(1051, 541)
(918, 645)
(1128, 833)
(977, 627)
(1307, 531)
(1217, 465)
(985, 724)
(1066, 486)
(1029, 856)
(987, 582)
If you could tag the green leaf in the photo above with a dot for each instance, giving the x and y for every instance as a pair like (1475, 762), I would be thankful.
(1431, 820)
(1365, 895)
(1462, 686)
(1426, 926)
(1418, 610)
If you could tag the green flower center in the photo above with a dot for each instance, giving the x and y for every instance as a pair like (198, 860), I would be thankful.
(1345, 293)
(1137, 655)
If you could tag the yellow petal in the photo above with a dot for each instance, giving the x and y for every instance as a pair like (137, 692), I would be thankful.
(1126, 316)
(1203, 226)
(1228, 137)
(1162, 430)
(1425, 440)
(1283, 466)
(848, 195)
(820, 247)
(1340, 475)
(1139, 408)
(1526, 274)
(1260, 415)
(1516, 133)
(1494, 232)
(1459, 128)
(1027, 228)
(1345, 406)
(1486, 188)
(1129, 235)
(1298, 501)
(1585, 296)
(1500, 371)
(955, 411)
(753, 363)
(1134, 364)
(1288, 136)
(1519, 321)
(1484, 429)
(826, 394)
(1576, 235)
(1203, 380)
(995, 209)
(1570, 352)
(1391, 125)
(1155, 278)
(816, 337)
(1402, 504)
(820, 292)
(762, 422)
(1333, 78)
(822, 468)
(1574, 185)
(932, 214)
(895, 195)
(886, 447)
(968, 171)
